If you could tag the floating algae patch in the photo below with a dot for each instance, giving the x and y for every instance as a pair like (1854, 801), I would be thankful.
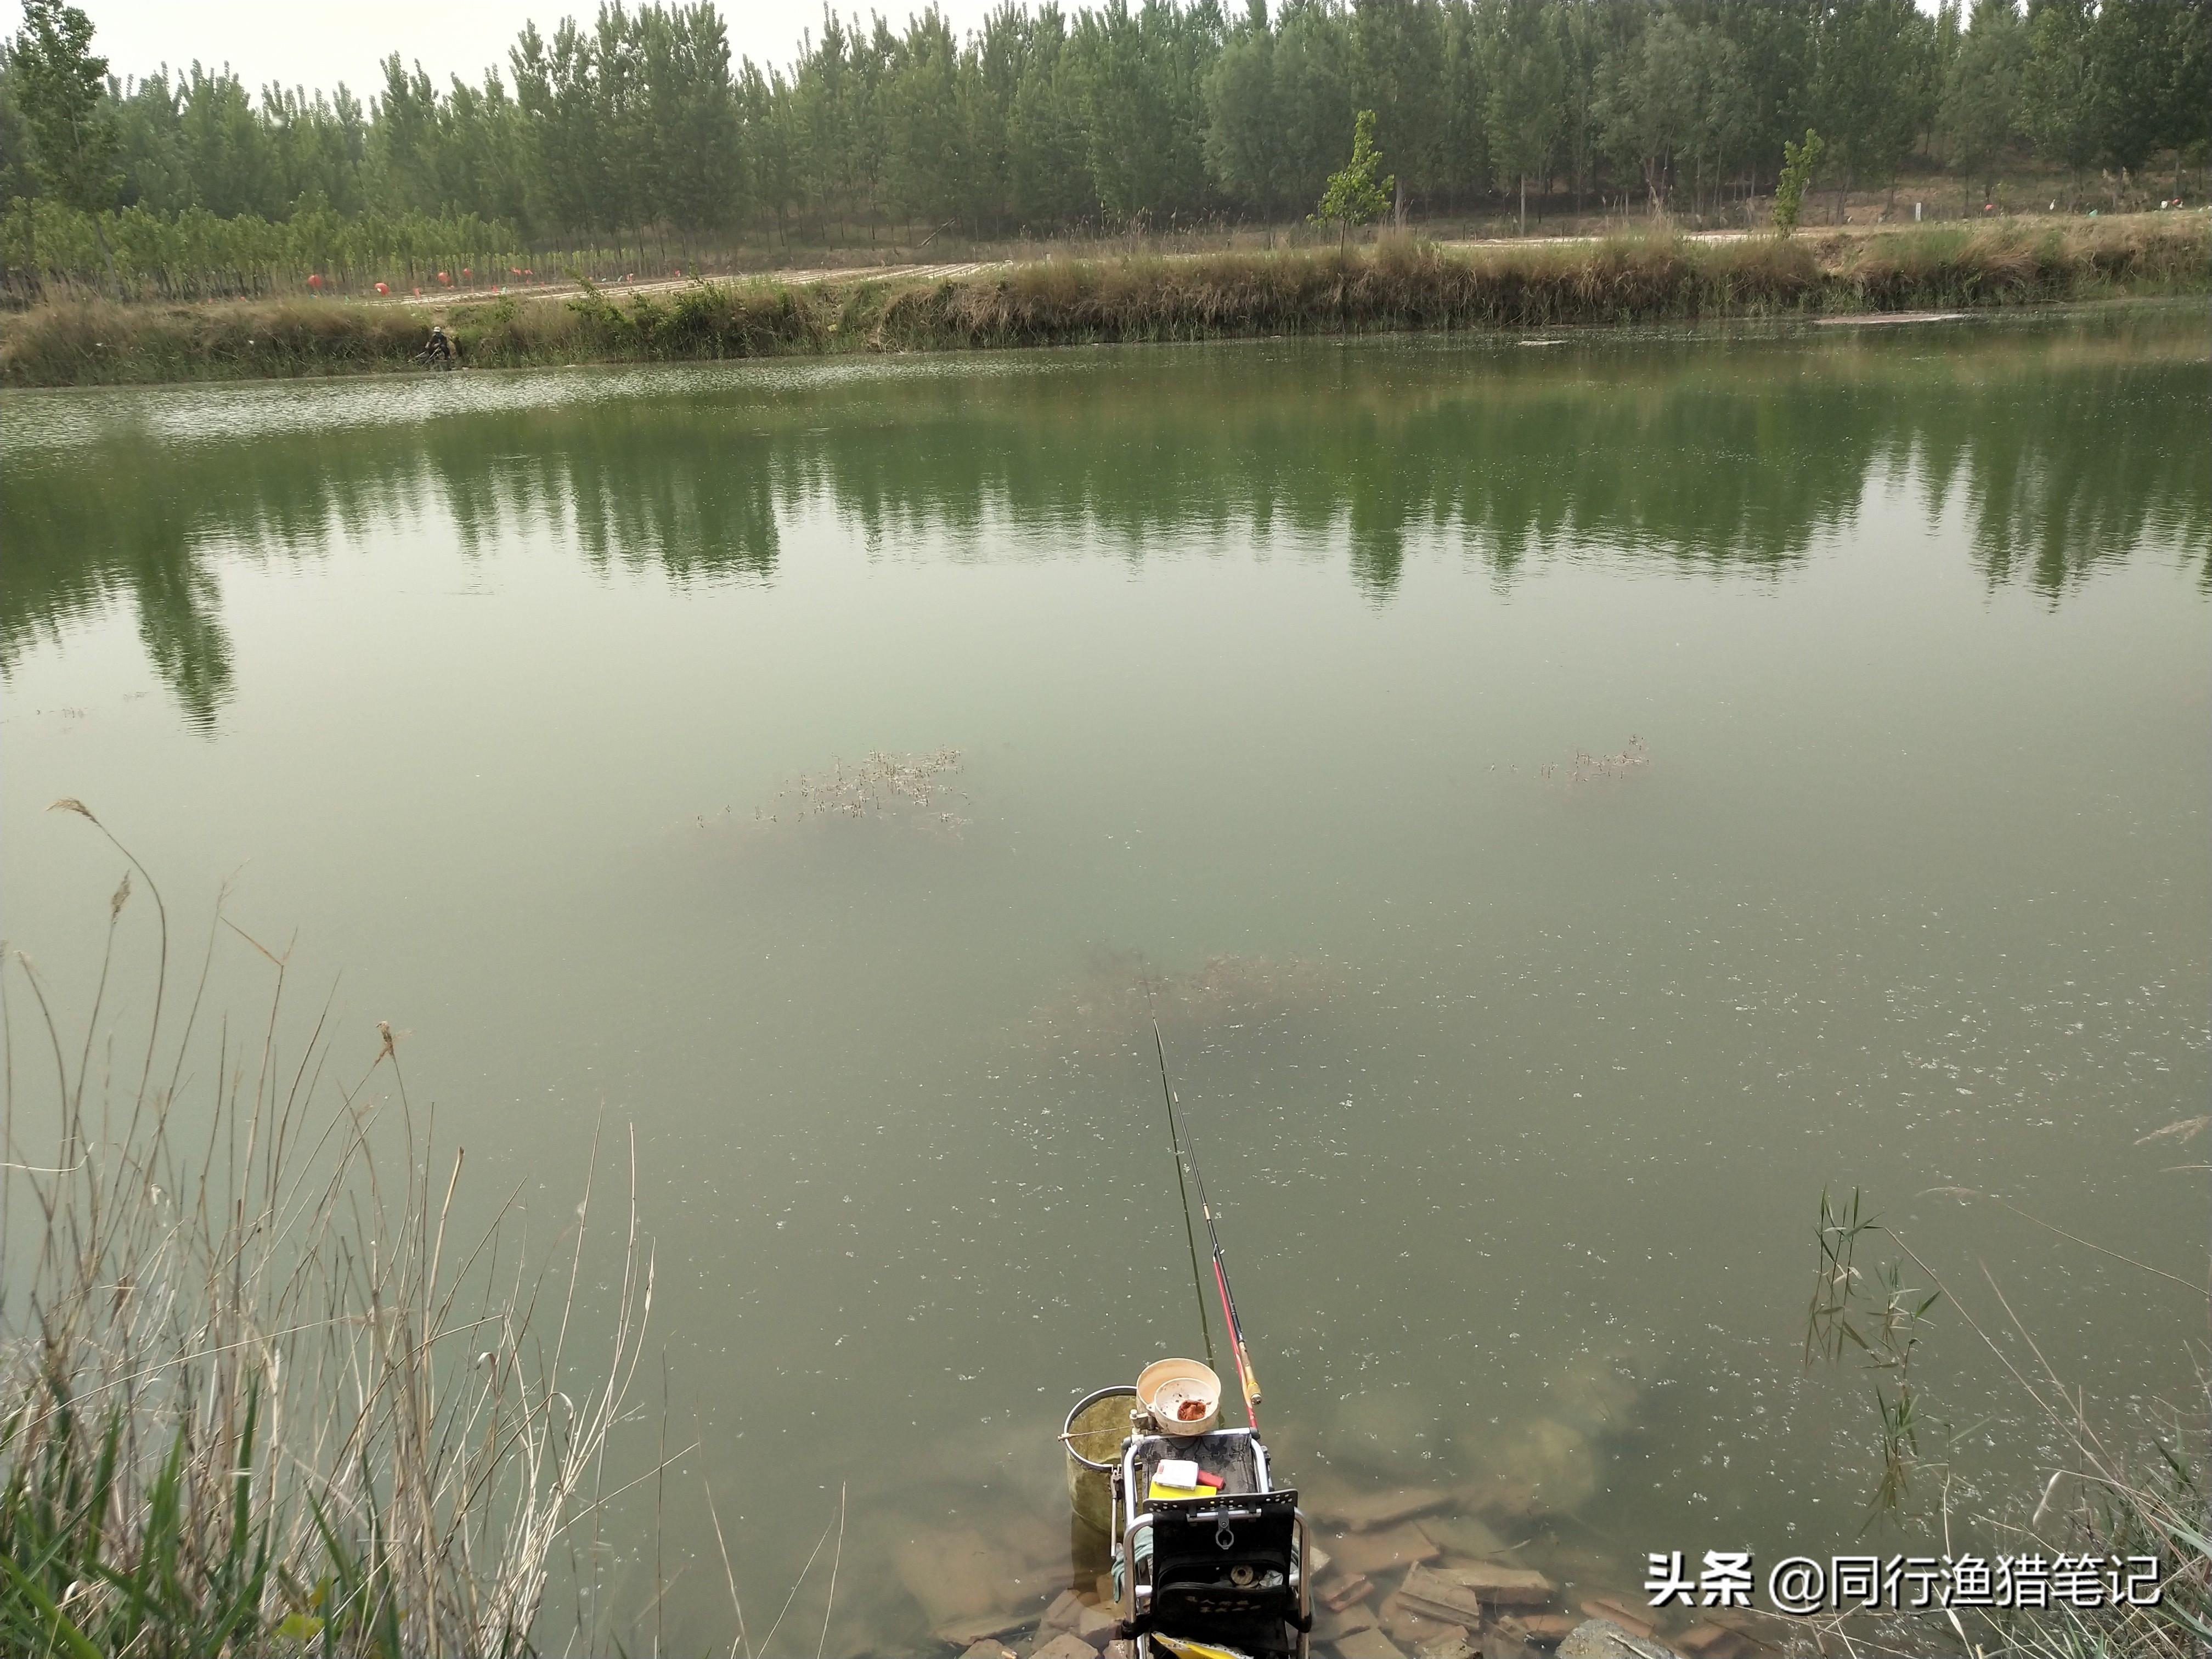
(917, 791)
(1107, 1008)
(1586, 767)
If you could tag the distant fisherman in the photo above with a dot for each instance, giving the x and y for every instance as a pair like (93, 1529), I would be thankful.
(440, 351)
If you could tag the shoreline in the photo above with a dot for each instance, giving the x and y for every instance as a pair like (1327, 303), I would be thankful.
(1392, 287)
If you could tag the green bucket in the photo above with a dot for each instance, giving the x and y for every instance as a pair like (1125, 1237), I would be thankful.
(1093, 1436)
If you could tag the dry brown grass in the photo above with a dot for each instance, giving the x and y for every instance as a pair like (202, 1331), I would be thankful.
(1401, 283)
(258, 1385)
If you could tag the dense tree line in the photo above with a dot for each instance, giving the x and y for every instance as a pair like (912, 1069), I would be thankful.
(638, 128)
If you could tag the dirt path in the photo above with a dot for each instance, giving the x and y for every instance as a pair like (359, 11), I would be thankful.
(673, 285)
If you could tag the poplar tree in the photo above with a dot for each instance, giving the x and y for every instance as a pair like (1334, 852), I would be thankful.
(61, 87)
(1980, 114)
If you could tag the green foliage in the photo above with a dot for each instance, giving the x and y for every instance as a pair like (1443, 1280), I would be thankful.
(1979, 116)
(1675, 106)
(1800, 163)
(628, 141)
(85, 1577)
(1359, 192)
(61, 87)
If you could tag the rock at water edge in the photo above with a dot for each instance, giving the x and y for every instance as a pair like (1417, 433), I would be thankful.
(1094, 1625)
(978, 1627)
(1600, 1639)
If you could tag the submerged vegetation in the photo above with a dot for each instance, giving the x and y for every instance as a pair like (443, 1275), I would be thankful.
(1400, 284)
(261, 1390)
(2107, 1500)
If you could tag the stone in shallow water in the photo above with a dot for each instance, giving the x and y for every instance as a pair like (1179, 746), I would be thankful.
(1341, 1593)
(1503, 1586)
(988, 1648)
(1619, 1611)
(1368, 1644)
(1373, 1553)
(977, 1627)
(1461, 1534)
(1365, 1512)
(1547, 1627)
(1707, 1640)
(1600, 1639)
(1065, 1646)
(1435, 1595)
(1383, 1432)
(956, 1576)
(1335, 1626)
(1595, 1395)
(1553, 1462)
(1454, 1644)
(1059, 1613)
(1094, 1625)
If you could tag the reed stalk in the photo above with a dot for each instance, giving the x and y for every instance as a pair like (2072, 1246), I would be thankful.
(261, 1390)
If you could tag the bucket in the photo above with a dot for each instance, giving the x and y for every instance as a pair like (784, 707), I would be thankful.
(1093, 1436)
(1168, 1388)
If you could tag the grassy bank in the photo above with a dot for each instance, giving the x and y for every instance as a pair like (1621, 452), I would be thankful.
(1396, 286)
(261, 1392)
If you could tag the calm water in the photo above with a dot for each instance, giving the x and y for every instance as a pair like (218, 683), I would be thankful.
(1517, 1080)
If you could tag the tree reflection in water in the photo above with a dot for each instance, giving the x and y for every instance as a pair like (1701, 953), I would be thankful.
(2067, 446)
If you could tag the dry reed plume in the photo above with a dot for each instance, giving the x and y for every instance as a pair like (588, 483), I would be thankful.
(259, 1390)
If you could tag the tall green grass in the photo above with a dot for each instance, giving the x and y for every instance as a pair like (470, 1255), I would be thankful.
(1400, 284)
(259, 1391)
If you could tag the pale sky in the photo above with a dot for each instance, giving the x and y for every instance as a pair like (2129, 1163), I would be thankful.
(321, 42)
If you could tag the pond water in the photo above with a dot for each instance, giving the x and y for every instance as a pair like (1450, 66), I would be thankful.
(1575, 799)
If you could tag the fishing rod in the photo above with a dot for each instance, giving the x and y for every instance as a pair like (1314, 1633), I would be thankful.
(1190, 1233)
(1247, 1379)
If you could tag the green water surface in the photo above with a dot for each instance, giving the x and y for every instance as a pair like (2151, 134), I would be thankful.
(1515, 1078)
